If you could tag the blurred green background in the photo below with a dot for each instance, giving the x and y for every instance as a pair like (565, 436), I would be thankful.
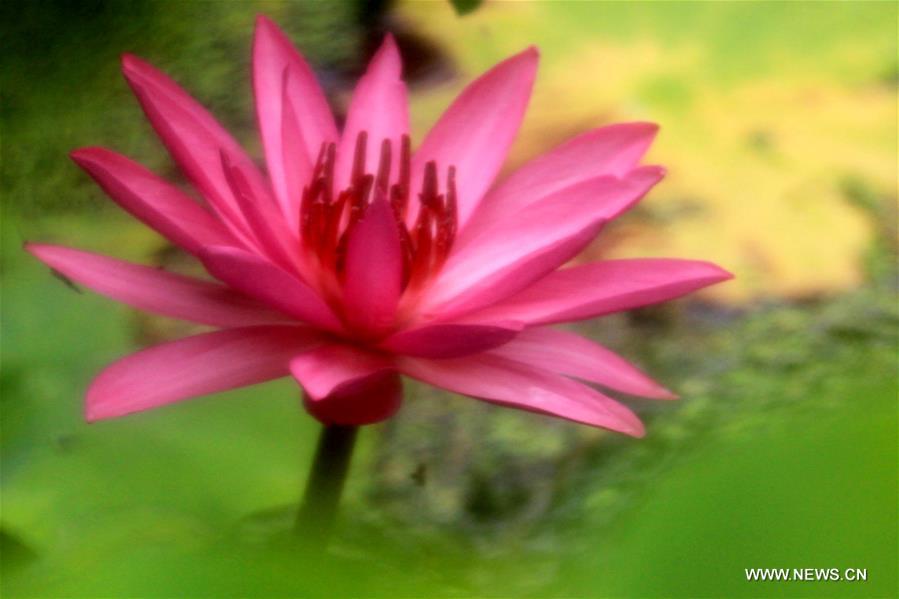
(779, 130)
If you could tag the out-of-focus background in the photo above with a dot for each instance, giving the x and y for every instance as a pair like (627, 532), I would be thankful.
(779, 132)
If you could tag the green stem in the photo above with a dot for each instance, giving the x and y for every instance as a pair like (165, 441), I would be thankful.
(325, 484)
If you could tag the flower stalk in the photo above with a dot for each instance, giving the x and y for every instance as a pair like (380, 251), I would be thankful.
(318, 510)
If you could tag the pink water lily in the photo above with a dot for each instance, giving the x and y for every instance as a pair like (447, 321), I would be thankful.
(356, 260)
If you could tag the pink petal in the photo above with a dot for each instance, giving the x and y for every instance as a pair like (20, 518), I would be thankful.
(156, 290)
(374, 270)
(270, 284)
(451, 340)
(192, 136)
(348, 386)
(153, 201)
(261, 214)
(512, 384)
(570, 354)
(493, 263)
(298, 166)
(291, 141)
(195, 366)
(380, 108)
(613, 150)
(475, 133)
(605, 197)
(601, 288)
(511, 277)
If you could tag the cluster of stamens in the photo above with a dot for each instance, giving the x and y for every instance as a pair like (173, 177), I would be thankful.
(327, 216)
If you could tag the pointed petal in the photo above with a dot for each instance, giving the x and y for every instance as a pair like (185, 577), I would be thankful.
(195, 366)
(512, 384)
(297, 168)
(475, 133)
(605, 197)
(262, 215)
(191, 134)
(613, 150)
(451, 340)
(490, 264)
(601, 288)
(570, 354)
(380, 107)
(292, 140)
(155, 202)
(374, 270)
(508, 278)
(270, 284)
(347, 386)
(156, 290)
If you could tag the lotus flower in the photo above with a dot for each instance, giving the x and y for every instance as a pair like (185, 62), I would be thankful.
(356, 260)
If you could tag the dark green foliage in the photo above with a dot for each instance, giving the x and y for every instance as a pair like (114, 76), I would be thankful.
(463, 7)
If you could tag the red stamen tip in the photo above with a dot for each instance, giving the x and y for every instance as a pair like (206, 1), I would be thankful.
(325, 222)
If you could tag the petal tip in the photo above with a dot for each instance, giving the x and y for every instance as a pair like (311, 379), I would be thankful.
(530, 58)
(389, 53)
(712, 274)
(136, 70)
(653, 172)
(638, 432)
(93, 410)
(266, 28)
(628, 423)
(90, 415)
(390, 41)
(84, 156)
(526, 59)
(666, 394)
(719, 274)
(38, 250)
(649, 127)
(131, 63)
(263, 21)
(79, 154)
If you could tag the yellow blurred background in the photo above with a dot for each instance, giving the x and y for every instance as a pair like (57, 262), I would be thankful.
(769, 115)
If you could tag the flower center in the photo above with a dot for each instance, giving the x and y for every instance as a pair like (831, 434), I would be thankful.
(327, 216)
